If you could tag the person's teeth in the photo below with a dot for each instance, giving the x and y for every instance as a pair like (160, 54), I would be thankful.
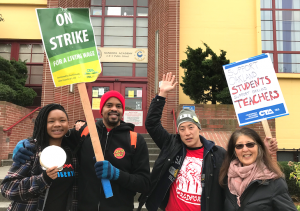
(247, 155)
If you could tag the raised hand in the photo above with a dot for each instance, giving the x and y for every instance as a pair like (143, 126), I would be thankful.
(167, 84)
(78, 125)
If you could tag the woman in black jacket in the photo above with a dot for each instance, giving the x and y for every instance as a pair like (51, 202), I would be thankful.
(250, 178)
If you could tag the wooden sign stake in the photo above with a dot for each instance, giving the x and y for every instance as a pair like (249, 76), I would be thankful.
(93, 134)
(266, 129)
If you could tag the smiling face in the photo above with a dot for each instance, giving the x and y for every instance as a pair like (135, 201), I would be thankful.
(112, 112)
(57, 125)
(189, 134)
(246, 155)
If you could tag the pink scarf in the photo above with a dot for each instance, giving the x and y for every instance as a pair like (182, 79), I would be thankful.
(240, 176)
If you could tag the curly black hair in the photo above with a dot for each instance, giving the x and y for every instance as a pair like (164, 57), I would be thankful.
(40, 125)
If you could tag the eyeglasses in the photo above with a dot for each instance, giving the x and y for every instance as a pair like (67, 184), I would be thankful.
(248, 145)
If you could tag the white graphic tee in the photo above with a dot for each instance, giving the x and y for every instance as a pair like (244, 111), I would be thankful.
(185, 193)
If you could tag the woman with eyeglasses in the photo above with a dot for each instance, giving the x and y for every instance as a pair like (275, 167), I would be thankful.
(252, 181)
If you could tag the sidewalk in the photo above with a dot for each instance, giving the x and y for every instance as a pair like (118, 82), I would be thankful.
(4, 203)
(3, 172)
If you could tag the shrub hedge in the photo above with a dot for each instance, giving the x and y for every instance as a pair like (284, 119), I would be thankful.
(293, 188)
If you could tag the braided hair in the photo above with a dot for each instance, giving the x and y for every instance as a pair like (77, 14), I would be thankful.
(40, 125)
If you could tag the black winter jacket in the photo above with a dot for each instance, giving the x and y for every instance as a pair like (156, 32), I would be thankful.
(271, 195)
(213, 195)
(134, 170)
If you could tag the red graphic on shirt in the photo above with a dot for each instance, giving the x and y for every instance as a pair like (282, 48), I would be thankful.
(119, 153)
(186, 190)
(68, 166)
(189, 181)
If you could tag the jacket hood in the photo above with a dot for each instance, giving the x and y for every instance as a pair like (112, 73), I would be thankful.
(208, 145)
(122, 126)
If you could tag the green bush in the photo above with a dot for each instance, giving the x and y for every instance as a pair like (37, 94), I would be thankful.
(293, 188)
(13, 75)
(7, 93)
(204, 79)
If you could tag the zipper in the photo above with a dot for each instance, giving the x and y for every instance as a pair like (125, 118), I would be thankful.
(234, 203)
(207, 180)
(104, 158)
(46, 196)
(105, 144)
(203, 160)
(162, 169)
(247, 190)
(160, 175)
(203, 164)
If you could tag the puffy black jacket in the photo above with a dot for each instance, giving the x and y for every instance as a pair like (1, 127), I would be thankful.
(134, 170)
(213, 196)
(271, 195)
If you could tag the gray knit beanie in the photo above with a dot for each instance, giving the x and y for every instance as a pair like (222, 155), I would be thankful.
(188, 115)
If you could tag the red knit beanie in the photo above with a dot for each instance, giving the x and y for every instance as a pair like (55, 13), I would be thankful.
(110, 94)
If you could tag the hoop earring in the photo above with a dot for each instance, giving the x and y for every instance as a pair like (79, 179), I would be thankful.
(67, 135)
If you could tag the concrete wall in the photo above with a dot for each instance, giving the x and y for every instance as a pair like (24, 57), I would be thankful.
(232, 25)
(9, 115)
(20, 19)
(287, 128)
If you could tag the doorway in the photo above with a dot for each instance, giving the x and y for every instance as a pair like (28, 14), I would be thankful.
(135, 95)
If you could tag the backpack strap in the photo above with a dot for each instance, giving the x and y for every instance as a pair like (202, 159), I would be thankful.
(133, 138)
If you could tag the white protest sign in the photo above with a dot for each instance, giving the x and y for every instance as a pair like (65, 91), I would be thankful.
(134, 117)
(255, 90)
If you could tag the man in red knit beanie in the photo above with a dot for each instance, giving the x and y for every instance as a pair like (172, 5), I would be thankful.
(112, 118)
(126, 166)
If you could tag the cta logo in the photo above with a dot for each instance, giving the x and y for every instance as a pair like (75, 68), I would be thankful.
(266, 112)
(90, 72)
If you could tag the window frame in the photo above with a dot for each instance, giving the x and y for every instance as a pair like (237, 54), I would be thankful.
(134, 17)
(275, 50)
(14, 54)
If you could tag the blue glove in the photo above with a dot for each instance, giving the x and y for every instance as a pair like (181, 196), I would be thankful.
(104, 170)
(20, 153)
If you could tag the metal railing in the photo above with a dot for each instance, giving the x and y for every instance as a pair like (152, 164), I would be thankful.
(8, 130)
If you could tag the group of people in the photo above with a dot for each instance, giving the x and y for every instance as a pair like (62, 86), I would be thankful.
(190, 173)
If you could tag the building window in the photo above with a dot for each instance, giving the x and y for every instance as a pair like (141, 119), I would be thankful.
(33, 55)
(289, 155)
(5, 50)
(281, 33)
(121, 24)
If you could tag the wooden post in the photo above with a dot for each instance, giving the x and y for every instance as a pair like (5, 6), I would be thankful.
(266, 128)
(93, 133)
